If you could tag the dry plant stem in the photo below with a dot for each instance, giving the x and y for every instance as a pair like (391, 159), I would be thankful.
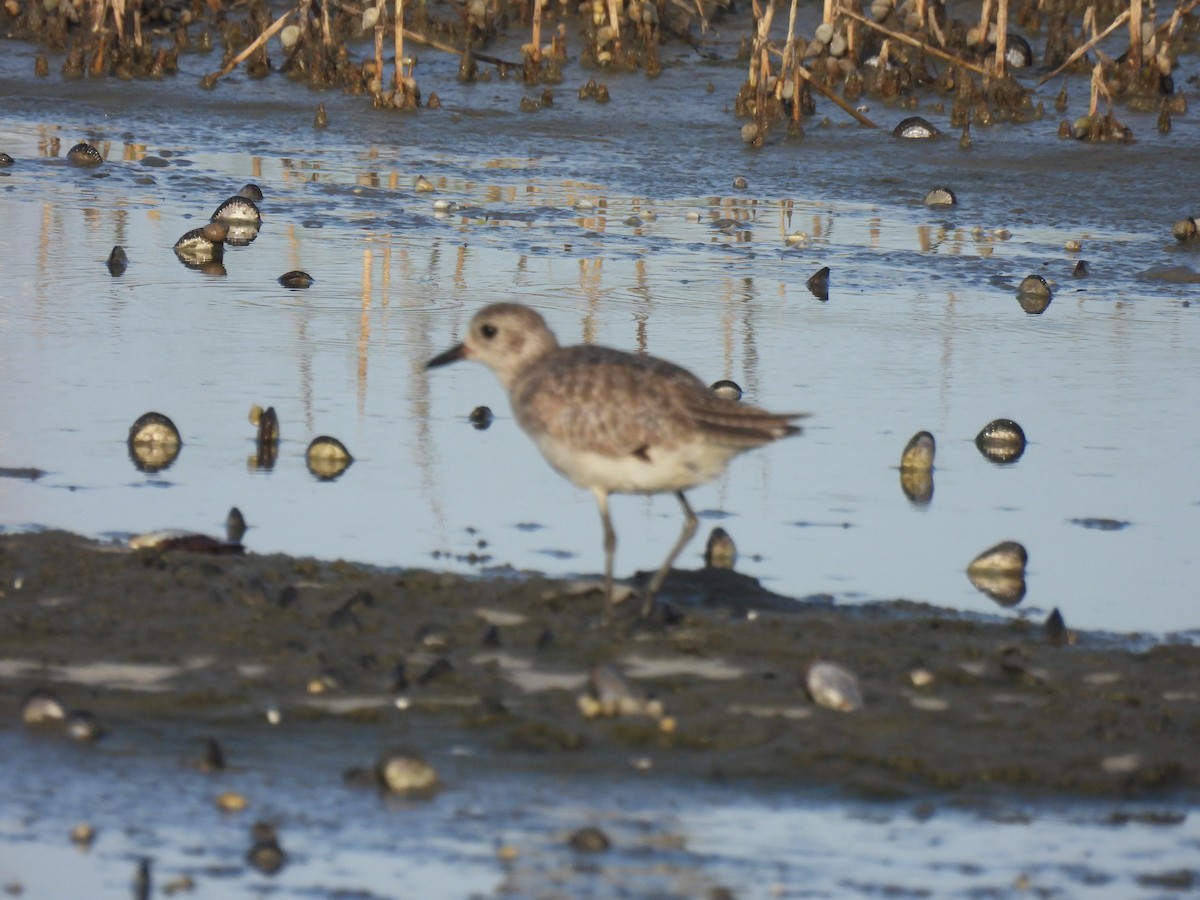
(1081, 50)
(119, 19)
(985, 22)
(827, 13)
(1001, 37)
(1135, 34)
(536, 40)
(1094, 106)
(378, 79)
(399, 43)
(269, 32)
(904, 38)
(825, 92)
(614, 18)
(922, 13)
(791, 38)
(411, 35)
(1172, 24)
(326, 34)
(137, 28)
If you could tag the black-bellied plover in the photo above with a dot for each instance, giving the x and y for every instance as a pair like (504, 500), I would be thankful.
(614, 422)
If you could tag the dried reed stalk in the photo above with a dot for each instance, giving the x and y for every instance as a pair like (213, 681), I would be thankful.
(824, 91)
(614, 18)
(326, 31)
(378, 46)
(1084, 48)
(119, 19)
(912, 41)
(1001, 37)
(985, 21)
(827, 12)
(269, 32)
(1134, 35)
(536, 40)
(399, 44)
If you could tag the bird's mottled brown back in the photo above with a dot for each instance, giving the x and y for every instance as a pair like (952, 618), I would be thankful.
(616, 403)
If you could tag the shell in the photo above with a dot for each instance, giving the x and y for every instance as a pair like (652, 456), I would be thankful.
(833, 686)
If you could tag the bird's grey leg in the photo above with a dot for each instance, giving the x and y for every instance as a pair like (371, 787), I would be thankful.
(610, 549)
(689, 531)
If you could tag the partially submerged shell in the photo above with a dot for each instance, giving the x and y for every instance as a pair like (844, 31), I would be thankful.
(42, 708)
(201, 245)
(915, 128)
(720, 552)
(832, 686)
(1001, 441)
(84, 155)
(919, 452)
(818, 284)
(481, 418)
(153, 442)
(1034, 294)
(239, 209)
(999, 572)
(296, 280)
(940, 196)
(117, 261)
(401, 772)
(327, 457)
(726, 389)
(1007, 557)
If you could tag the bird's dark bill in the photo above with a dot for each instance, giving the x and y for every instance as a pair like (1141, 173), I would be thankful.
(452, 355)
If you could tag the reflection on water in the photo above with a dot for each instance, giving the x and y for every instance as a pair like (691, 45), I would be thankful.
(920, 330)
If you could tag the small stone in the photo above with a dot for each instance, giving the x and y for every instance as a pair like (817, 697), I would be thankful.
(231, 801)
(117, 261)
(589, 839)
(481, 418)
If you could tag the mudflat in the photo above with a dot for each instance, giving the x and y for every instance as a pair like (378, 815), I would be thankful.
(952, 703)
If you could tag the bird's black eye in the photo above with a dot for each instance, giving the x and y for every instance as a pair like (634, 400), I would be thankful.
(488, 331)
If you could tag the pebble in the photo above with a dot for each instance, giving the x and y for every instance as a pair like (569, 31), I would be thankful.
(404, 773)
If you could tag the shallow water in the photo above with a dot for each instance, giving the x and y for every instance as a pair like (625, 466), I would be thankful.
(504, 834)
(922, 329)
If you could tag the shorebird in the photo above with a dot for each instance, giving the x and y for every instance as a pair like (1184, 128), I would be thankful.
(614, 422)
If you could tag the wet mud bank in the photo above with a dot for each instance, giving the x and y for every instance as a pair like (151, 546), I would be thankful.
(497, 665)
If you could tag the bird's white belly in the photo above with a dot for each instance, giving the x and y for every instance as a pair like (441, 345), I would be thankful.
(664, 470)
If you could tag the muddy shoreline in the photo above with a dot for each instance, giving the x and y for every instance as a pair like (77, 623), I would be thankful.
(430, 660)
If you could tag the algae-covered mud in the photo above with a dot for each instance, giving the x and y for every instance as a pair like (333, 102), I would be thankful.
(950, 702)
(232, 689)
